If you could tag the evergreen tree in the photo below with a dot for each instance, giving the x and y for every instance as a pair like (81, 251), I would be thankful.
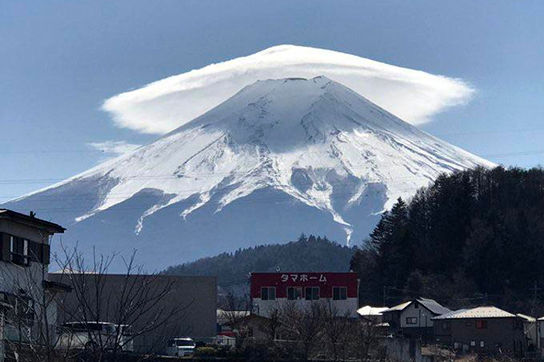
(469, 234)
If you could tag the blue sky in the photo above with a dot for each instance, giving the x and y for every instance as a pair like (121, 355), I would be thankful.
(59, 60)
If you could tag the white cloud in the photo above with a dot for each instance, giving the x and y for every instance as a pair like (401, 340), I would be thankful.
(161, 106)
(115, 148)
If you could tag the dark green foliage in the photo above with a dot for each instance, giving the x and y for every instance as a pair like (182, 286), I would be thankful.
(471, 237)
(307, 254)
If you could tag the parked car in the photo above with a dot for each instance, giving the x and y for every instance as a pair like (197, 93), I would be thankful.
(180, 347)
(81, 335)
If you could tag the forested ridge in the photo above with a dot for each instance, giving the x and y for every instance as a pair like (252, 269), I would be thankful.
(473, 237)
(308, 253)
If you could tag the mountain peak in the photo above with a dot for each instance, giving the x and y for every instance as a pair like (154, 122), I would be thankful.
(278, 158)
(294, 112)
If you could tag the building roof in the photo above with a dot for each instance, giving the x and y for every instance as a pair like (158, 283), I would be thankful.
(226, 316)
(430, 304)
(56, 286)
(450, 314)
(398, 307)
(371, 311)
(528, 318)
(478, 312)
(434, 306)
(30, 220)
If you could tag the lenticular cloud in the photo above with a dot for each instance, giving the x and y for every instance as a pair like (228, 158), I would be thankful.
(164, 105)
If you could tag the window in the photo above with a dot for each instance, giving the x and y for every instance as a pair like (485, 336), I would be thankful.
(312, 293)
(339, 293)
(482, 344)
(18, 250)
(23, 251)
(481, 324)
(472, 343)
(294, 293)
(268, 293)
(411, 320)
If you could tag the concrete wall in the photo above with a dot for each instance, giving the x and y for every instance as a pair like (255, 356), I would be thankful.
(193, 297)
(403, 349)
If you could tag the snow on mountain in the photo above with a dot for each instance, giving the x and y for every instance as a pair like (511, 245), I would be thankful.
(278, 158)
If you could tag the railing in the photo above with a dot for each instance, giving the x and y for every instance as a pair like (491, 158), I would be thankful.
(20, 259)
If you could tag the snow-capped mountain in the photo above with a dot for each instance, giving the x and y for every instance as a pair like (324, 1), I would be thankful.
(279, 158)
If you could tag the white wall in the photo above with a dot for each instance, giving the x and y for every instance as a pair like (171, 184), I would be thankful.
(17, 278)
(265, 307)
(422, 314)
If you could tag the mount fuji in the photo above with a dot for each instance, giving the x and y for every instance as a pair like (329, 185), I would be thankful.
(278, 158)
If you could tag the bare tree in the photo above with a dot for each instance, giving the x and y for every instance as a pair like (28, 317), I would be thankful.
(273, 324)
(236, 309)
(303, 326)
(363, 338)
(141, 303)
(317, 329)
(336, 329)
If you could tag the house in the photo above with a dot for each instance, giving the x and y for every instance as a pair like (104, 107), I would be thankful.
(24, 247)
(272, 291)
(484, 330)
(229, 320)
(24, 264)
(228, 317)
(414, 318)
(260, 328)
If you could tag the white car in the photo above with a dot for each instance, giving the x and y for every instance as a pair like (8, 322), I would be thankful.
(180, 347)
(81, 335)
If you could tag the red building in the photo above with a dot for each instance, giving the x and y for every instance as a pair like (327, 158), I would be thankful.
(270, 290)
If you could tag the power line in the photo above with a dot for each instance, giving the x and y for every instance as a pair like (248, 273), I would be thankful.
(467, 133)
(192, 175)
(98, 151)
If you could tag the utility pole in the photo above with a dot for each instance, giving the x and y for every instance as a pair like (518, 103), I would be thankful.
(535, 290)
(533, 306)
(384, 298)
(2, 343)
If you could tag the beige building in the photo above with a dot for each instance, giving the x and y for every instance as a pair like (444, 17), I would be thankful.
(24, 264)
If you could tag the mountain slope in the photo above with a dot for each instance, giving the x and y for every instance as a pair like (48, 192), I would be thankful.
(306, 254)
(278, 158)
